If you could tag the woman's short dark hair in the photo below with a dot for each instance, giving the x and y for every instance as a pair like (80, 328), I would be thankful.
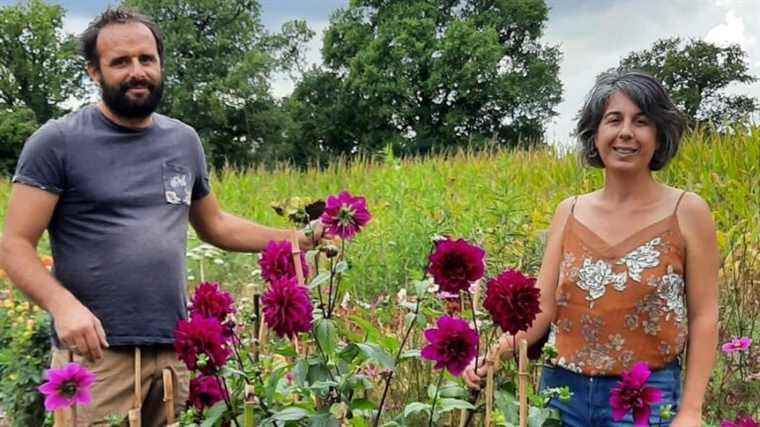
(653, 100)
(88, 41)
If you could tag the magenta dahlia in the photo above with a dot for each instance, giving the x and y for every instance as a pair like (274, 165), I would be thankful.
(737, 345)
(67, 386)
(345, 215)
(205, 391)
(287, 307)
(210, 301)
(201, 336)
(634, 395)
(277, 261)
(513, 301)
(455, 264)
(452, 346)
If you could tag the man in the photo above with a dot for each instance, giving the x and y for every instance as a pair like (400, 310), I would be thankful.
(115, 185)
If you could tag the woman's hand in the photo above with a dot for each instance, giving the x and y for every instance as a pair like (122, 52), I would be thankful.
(687, 419)
(472, 378)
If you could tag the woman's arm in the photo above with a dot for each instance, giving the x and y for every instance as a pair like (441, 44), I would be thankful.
(702, 264)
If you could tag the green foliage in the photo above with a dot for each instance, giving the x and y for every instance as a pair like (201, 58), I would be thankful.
(16, 125)
(219, 60)
(24, 355)
(695, 73)
(428, 76)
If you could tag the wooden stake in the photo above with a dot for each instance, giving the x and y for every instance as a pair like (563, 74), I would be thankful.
(462, 417)
(65, 417)
(249, 406)
(134, 413)
(490, 367)
(296, 252)
(169, 395)
(522, 372)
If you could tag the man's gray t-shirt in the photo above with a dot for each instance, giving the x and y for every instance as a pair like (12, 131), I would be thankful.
(119, 231)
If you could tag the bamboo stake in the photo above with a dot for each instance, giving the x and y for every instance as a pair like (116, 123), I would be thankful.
(249, 406)
(168, 395)
(296, 252)
(256, 325)
(134, 413)
(462, 417)
(522, 371)
(490, 367)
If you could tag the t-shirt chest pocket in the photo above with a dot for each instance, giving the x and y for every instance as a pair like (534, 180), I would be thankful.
(178, 184)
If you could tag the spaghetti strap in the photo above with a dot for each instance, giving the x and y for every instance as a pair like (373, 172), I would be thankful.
(675, 210)
(572, 207)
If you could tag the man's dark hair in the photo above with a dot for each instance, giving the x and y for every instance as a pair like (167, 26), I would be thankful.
(649, 95)
(88, 41)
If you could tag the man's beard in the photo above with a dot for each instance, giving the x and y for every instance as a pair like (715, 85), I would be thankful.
(117, 100)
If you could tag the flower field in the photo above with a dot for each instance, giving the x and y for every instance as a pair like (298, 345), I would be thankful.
(380, 338)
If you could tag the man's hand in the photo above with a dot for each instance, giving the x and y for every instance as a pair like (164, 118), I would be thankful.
(474, 379)
(79, 330)
(311, 235)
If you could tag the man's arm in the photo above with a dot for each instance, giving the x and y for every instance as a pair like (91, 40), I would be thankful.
(231, 233)
(29, 212)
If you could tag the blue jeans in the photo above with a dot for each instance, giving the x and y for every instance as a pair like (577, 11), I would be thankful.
(590, 404)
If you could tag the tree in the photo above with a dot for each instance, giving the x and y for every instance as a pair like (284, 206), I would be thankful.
(696, 73)
(39, 70)
(429, 75)
(219, 60)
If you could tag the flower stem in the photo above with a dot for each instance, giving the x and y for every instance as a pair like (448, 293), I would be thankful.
(324, 356)
(435, 398)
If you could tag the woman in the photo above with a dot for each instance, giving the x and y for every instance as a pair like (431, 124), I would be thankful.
(630, 270)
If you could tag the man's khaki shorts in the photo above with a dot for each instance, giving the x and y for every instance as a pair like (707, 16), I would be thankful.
(113, 392)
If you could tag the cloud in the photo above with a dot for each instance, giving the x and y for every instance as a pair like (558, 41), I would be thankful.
(76, 24)
(732, 31)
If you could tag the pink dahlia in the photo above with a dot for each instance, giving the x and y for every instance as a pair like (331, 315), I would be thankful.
(634, 395)
(736, 345)
(201, 336)
(205, 391)
(345, 215)
(741, 421)
(210, 301)
(455, 264)
(67, 386)
(452, 346)
(287, 307)
(513, 301)
(277, 261)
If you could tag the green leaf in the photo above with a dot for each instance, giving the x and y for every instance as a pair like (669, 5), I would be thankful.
(410, 354)
(415, 407)
(321, 279)
(341, 267)
(363, 405)
(213, 414)
(448, 404)
(349, 353)
(376, 354)
(327, 335)
(292, 413)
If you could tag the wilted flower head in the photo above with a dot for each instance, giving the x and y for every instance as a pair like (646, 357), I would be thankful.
(210, 301)
(287, 307)
(201, 336)
(67, 386)
(345, 215)
(634, 395)
(277, 261)
(737, 344)
(452, 346)
(205, 391)
(741, 421)
(513, 301)
(455, 264)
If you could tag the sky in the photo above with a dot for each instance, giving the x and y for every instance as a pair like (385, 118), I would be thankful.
(592, 34)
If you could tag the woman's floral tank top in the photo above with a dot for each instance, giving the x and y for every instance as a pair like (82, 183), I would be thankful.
(620, 304)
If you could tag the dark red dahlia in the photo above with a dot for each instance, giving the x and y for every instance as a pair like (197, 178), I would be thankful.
(205, 391)
(456, 264)
(287, 307)
(452, 346)
(513, 301)
(210, 301)
(201, 336)
(634, 395)
(277, 261)
(345, 215)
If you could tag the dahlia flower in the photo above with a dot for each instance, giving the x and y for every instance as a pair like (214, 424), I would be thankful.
(205, 391)
(452, 346)
(201, 336)
(634, 395)
(455, 264)
(67, 386)
(345, 215)
(287, 307)
(512, 299)
(277, 261)
(210, 301)
(736, 345)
